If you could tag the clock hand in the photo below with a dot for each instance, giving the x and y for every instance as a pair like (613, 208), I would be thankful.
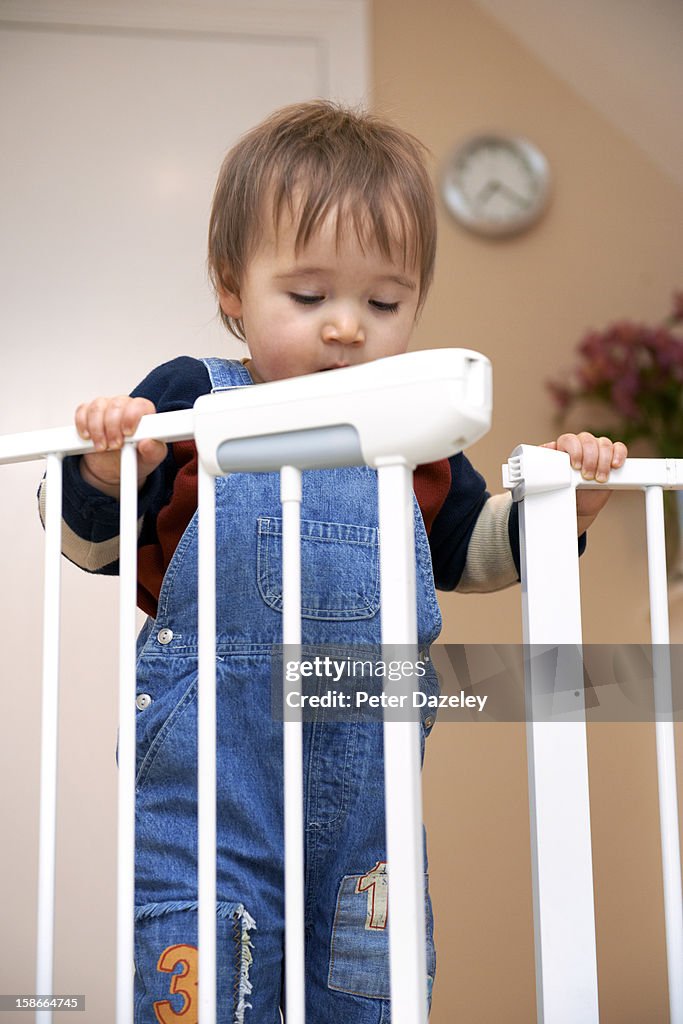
(487, 192)
(514, 196)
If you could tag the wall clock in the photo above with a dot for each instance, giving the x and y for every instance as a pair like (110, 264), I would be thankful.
(496, 185)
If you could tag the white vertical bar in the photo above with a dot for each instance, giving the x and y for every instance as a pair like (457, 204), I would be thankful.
(559, 806)
(290, 496)
(403, 794)
(666, 751)
(49, 734)
(126, 784)
(206, 725)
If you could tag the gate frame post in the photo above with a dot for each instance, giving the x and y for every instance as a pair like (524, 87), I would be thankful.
(544, 483)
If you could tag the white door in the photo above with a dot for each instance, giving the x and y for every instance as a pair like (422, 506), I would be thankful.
(114, 119)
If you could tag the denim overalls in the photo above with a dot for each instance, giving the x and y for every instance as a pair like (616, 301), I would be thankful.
(347, 973)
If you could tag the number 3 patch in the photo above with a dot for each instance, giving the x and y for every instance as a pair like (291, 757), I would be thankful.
(183, 983)
(167, 962)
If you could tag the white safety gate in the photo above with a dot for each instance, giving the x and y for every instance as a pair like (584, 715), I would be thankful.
(564, 922)
(348, 417)
(353, 416)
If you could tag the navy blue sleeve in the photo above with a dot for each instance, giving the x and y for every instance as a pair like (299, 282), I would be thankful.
(513, 534)
(452, 528)
(175, 385)
(93, 516)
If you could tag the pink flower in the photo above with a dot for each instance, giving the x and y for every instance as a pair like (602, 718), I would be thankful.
(561, 394)
(636, 373)
(624, 394)
(668, 349)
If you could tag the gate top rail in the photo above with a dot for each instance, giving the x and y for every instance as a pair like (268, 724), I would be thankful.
(534, 470)
(446, 391)
(38, 444)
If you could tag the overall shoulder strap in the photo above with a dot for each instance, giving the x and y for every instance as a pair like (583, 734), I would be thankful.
(226, 374)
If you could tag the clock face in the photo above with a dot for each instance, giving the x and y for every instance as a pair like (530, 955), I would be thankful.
(496, 185)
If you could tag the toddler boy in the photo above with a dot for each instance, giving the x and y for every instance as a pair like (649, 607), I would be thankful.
(321, 250)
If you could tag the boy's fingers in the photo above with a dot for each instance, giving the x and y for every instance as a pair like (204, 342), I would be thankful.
(594, 456)
(151, 449)
(605, 455)
(112, 421)
(571, 443)
(81, 421)
(107, 421)
(590, 455)
(150, 455)
(619, 454)
(95, 422)
(133, 412)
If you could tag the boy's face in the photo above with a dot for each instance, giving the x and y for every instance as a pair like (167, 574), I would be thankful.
(326, 307)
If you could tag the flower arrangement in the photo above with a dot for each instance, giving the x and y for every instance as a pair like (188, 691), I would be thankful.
(630, 376)
(628, 380)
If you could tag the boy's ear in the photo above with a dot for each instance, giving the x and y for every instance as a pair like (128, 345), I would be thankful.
(230, 303)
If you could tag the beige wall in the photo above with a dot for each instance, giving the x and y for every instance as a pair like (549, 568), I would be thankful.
(610, 246)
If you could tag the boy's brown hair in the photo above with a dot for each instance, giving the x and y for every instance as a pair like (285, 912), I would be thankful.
(313, 158)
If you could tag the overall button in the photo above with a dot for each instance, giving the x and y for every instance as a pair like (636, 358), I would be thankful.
(164, 636)
(429, 722)
(142, 701)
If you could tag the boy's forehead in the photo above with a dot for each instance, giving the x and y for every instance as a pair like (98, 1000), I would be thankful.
(338, 231)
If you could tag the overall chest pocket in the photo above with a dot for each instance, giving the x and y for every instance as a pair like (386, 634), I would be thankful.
(339, 568)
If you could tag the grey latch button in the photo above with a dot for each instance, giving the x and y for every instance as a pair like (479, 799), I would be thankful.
(142, 701)
(164, 636)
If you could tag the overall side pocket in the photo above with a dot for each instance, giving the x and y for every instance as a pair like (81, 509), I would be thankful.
(359, 949)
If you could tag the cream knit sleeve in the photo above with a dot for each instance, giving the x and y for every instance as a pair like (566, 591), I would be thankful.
(489, 564)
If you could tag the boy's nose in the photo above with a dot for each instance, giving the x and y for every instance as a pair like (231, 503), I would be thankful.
(345, 327)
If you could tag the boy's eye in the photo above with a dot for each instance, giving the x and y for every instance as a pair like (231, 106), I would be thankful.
(306, 300)
(384, 307)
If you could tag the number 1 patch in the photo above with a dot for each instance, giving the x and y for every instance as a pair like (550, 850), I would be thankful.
(376, 884)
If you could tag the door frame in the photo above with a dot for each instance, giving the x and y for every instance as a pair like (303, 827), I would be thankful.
(338, 28)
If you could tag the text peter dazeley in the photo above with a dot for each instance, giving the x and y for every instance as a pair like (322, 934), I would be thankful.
(363, 699)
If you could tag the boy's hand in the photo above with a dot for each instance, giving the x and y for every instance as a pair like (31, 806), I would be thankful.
(595, 457)
(105, 422)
